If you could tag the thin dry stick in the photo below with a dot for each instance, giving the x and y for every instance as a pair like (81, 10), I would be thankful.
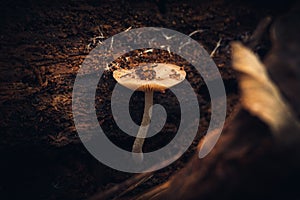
(132, 187)
(128, 29)
(215, 49)
(196, 31)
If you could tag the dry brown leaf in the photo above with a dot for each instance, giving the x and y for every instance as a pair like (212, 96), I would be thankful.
(261, 97)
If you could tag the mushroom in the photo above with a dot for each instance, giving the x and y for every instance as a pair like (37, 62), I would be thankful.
(148, 78)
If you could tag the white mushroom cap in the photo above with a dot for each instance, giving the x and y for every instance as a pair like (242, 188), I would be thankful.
(150, 76)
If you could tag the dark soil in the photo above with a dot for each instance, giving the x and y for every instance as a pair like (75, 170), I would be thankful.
(43, 44)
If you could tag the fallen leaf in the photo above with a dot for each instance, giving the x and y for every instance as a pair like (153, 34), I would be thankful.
(261, 97)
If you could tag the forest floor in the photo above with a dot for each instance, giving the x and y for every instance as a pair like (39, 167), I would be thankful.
(43, 44)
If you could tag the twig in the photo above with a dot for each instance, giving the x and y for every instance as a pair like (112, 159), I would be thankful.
(215, 49)
(133, 186)
(128, 29)
(196, 31)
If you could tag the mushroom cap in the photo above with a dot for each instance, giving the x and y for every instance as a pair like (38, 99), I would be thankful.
(150, 76)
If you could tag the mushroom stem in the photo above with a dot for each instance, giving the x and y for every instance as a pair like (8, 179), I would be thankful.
(140, 138)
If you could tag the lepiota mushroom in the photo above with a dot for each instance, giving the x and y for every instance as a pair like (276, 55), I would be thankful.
(148, 78)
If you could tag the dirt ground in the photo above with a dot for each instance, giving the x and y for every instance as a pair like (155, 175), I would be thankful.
(43, 44)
